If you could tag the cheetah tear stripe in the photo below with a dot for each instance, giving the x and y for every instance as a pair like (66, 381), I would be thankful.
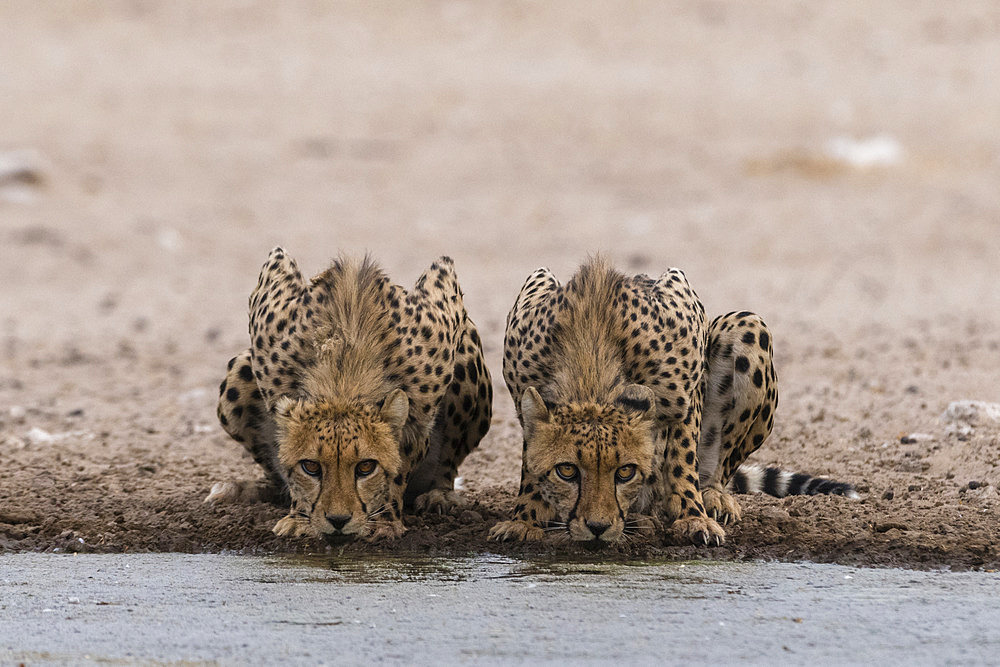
(780, 483)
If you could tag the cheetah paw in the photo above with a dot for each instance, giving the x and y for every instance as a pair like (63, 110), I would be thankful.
(291, 526)
(698, 530)
(441, 501)
(231, 492)
(721, 506)
(513, 531)
(387, 530)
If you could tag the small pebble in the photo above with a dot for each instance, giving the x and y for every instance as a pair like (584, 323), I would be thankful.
(37, 436)
(775, 514)
(470, 516)
(888, 495)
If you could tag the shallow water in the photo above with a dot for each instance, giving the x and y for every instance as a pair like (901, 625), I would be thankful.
(485, 609)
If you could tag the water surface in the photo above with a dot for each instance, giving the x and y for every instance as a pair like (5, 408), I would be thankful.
(486, 609)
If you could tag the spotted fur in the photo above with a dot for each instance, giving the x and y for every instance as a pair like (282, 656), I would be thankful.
(349, 369)
(610, 371)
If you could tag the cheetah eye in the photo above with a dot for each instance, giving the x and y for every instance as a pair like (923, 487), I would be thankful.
(365, 468)
(625, 473)
(567, 471)
(311, 468)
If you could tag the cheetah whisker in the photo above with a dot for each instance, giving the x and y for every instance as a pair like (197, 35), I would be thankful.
(381, 510)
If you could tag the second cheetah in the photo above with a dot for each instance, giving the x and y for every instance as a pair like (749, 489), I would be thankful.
(631, 403)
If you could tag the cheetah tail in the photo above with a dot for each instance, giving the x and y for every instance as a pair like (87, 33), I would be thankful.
(780, 483)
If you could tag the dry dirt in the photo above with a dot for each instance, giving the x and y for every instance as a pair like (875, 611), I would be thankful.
(171, 145)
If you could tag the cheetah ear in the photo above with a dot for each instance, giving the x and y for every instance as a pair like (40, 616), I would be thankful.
(533, 412)
(283, 407)
(395, 410)
(637, 401)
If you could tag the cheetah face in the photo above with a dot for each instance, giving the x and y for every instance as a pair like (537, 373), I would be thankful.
(592, 459)
(340, 461)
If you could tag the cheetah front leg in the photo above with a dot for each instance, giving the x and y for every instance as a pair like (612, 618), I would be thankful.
(464, 418)
(741, 397)
(684, 505)
(244, 416)
(387, 521)
(532, 512)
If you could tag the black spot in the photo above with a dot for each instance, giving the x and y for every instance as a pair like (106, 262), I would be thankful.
(758, 378)
(233, 394)
(749, 338)
(742, 364)
(633, 404)
(246, 374)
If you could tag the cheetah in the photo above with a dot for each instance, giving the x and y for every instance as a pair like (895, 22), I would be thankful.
(632, 404)
(356, 397)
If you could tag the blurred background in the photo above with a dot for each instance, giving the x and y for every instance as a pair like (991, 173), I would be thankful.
(835, 164)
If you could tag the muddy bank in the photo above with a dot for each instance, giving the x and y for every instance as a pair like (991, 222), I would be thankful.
(845, 194)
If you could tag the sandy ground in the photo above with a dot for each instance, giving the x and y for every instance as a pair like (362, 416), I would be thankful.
(833, 168)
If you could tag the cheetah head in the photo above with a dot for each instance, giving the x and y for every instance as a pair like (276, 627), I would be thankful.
(592, 459)
(340, 461)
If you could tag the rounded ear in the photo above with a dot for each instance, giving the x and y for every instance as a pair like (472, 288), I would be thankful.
(284, 406)
(533, 412)
(395, 410)
(637, 401)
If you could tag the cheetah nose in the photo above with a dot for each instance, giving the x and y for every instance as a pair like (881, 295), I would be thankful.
(338, 521)
(597, 528)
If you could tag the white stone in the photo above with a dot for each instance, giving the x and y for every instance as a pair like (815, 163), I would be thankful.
(37, 436)
(971, 412)
(880, 150)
